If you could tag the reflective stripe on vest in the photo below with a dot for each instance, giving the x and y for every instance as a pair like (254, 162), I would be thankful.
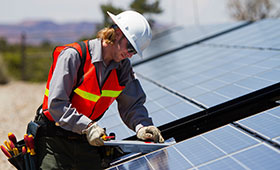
(92, 97)
(47, 92)
(95, 98)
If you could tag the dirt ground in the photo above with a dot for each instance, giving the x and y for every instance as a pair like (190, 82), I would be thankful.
(18, 104)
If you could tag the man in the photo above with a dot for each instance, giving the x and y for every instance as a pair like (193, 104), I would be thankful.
(84, 80)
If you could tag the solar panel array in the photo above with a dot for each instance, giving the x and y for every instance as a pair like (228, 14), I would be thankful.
(263, 34)
(210, 73)
(173, 39)
(267, 124)
(214, 75)
(223, 148)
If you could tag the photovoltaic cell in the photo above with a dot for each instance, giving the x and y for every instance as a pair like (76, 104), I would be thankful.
(222, 148)
(259, 157)
(168, 159)
(261, 34)
(222, 164)
(181, 36)
(198, 150)
(203, 71)
(266, 124)
(140, 164)
(229, 139)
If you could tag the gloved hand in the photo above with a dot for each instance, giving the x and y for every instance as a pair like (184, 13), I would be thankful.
(150, 132)
(94, 134)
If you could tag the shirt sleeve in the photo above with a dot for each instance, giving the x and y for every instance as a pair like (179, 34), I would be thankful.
(131, 100)
(61, 86)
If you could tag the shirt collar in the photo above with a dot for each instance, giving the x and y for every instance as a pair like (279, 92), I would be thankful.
(96, 53)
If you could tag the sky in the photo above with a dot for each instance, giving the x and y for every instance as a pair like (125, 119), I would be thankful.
(177, 12)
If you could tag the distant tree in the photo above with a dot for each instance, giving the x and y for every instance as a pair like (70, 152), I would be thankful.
(45, 43)
(252, 10)
(3, 44)
(109, 7)
(143, 7)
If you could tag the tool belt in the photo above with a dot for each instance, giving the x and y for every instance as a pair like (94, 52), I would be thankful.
(49, 129)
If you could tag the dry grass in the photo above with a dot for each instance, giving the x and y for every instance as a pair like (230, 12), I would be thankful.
(18, 104)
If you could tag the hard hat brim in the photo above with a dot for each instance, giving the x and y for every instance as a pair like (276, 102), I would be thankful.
(125, 32)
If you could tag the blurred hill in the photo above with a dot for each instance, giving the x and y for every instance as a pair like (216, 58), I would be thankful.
(38, 32)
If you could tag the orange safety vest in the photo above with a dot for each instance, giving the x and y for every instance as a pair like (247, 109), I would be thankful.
(88, 97)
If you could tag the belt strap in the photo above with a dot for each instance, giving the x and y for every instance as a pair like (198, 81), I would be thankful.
(49, 129)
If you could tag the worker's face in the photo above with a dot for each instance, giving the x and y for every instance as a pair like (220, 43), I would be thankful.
(123, 48)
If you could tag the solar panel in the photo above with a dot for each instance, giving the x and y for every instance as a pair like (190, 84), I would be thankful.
(180, 36)
(266, 124)
(213, 75)
(223, 148)
(262, 34)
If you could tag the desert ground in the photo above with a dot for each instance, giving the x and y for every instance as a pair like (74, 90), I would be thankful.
(18, 104)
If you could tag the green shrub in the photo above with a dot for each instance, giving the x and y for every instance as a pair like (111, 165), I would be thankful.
(38, 60)
(3, 72)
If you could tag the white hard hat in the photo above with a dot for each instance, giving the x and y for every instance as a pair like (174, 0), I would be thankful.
(135, 27)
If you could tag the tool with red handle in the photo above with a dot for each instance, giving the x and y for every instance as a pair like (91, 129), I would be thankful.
(31, 145)
(5, 151)
(25, 138)
(14, 149)
(30, 156)
(8, 145)
(23, 150)
(12, 137)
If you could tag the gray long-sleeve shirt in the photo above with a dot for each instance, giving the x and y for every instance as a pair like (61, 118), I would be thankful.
(64, 79)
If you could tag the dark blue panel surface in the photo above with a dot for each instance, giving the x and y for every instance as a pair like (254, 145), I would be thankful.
(261, 34)
(275, 111)
(162, 117)
(182, 109)
(168, 159)
(180, 36)
(259, 157)
(198, 150)
(230, 139)
(223, 148)
(202, 71)
(136, 164)
(222, 164)
(266, 124)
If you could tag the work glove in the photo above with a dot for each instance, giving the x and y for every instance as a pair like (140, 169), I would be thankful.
(94, 134)
(150, 133)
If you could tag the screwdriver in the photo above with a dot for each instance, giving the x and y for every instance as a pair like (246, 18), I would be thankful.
(105, 138)
(8, 145)
(31, 144)
(25, 157)
(13, 148)
(5, 151)
(111, 136)
(12, 137)
(25, 138)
